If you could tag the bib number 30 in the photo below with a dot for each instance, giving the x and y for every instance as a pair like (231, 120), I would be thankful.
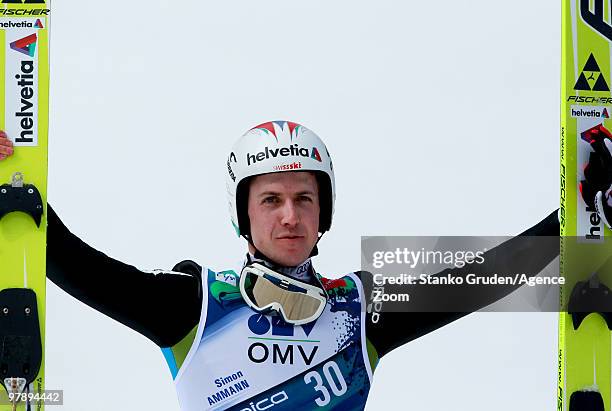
(336, 383)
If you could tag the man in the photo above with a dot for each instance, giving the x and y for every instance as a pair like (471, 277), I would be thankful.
(238, 341)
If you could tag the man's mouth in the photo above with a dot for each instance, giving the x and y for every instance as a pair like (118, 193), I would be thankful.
(289, 237)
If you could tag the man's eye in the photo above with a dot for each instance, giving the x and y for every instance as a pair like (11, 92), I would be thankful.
(270, 200)
(305, 198)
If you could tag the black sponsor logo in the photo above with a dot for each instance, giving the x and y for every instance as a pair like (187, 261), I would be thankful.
(591, 78)
(230, 160)
(288, 349)
(26, 113)
(595, 19)
(18, 24)
(281, 353)
(598, 112)
(590, 100)
(595, 228)
(24, 12)
(563, 189)
(293, 150)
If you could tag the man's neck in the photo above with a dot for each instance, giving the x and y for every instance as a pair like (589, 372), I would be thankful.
(301, 271)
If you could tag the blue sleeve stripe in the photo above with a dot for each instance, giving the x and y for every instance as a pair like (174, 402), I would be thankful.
(171, 361)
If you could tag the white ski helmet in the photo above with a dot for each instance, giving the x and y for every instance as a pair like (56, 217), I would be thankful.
(275, 147)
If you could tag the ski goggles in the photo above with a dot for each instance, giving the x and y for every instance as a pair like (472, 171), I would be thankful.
(267, 291)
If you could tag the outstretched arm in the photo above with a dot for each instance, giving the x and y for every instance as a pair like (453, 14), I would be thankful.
(388, 330)
(162, 306)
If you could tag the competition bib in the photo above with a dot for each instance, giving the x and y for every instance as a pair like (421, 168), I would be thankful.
(242, 360)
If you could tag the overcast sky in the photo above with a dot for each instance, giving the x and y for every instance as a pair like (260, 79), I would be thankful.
(442, 119)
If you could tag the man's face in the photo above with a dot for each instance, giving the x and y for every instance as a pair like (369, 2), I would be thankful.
(284, 213)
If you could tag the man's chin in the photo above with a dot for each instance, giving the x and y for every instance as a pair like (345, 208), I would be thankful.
(290, 257)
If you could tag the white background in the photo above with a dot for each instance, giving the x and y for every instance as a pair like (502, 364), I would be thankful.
(442, 119)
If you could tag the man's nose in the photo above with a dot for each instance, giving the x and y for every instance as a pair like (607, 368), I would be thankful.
(290, 215)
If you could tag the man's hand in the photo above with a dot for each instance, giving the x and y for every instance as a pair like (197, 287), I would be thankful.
(596, 188)
(6, 146)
